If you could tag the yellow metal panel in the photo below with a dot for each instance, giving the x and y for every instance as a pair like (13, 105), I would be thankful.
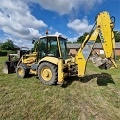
(68, 60)
(29, 60)
(60, 71)
(81, 62)
(105, 30)
(33, 71)
(49, 59)
(106, 34)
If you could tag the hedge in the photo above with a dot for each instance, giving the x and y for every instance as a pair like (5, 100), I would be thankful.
(117, 57)
(5, 52)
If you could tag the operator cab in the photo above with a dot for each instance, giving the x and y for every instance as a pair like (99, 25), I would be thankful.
(51, 45)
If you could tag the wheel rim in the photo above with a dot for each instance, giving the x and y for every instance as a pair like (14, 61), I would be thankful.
(46, 73)
(20, 71)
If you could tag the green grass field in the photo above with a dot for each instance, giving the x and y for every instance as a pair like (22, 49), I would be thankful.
(94, 97)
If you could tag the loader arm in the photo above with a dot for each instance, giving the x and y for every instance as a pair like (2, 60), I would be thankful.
(104, 28)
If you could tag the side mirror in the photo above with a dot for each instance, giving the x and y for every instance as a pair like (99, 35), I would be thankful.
(33, 41)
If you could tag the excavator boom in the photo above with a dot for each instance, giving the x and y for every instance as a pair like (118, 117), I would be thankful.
(104, 28)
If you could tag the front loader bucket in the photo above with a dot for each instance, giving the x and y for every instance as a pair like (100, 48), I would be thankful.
(5, 68)
(9, 67)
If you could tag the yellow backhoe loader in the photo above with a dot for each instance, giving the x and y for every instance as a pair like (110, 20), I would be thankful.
(51, 62)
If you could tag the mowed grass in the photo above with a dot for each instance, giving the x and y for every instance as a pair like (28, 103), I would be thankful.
(94, 97)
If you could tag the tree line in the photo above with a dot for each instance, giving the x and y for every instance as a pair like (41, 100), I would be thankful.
(8, 45)
(116, 35)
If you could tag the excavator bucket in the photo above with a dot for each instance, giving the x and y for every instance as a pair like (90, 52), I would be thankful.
(10, 65)
(102, 63)
(5, 68)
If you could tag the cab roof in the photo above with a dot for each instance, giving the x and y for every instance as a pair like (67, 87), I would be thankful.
(52, 36)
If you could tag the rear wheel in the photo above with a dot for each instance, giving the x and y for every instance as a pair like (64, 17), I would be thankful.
(47, 73)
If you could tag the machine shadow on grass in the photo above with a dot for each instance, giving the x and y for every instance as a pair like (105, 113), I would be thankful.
(102, 79)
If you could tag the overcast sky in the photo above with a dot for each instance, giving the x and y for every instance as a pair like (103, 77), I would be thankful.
(21, 20)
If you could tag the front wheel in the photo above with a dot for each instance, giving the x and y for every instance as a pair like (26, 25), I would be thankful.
(47, 73)
(20, 71)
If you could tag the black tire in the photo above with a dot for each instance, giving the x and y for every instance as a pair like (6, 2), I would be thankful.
(27, 72)
(52, 69)
(20, 71)
(26, 68)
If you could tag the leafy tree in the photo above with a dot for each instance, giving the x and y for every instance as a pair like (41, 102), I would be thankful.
(7, 45)
(35, 46)
(117, 36)
(82, 38)
(32, 49)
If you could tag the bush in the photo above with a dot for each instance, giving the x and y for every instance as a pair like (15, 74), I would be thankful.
(11, 52)
(6, 52)
(3, 52)
(117, 57)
